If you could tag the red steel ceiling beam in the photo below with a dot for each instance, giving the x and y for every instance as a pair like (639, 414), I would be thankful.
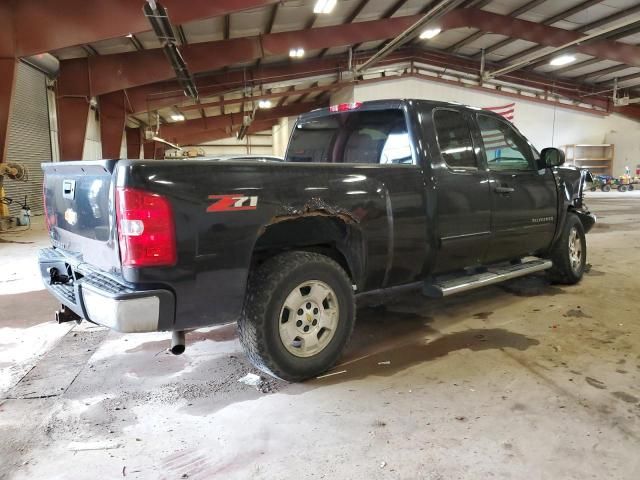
(165, 94)
(72, 99)
(109, 73)
(113, 117)
(149, 150)
(176, 132)
(211, 135)
(8, 71)
(566, 88)
(541, 34)
(46, 25)
(134, 142)
(267, 96)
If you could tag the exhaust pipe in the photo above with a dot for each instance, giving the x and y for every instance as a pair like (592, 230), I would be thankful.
(177, 342)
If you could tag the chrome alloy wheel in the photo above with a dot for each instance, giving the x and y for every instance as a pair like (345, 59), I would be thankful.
(309, 318)
(575, 250)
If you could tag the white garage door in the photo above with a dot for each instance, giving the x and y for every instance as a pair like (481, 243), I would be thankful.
(29, 141)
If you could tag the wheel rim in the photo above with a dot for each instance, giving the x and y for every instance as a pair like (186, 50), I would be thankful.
(309, 318)
(575, 250)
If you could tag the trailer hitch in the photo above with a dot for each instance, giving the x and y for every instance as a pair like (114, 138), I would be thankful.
(57, 278)
(65, 315)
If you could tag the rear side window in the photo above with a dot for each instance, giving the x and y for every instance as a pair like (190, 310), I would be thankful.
(505, 149)
(370, 137)
(454, 139)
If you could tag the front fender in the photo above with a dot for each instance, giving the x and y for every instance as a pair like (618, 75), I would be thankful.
(572, 183)
(587, 219)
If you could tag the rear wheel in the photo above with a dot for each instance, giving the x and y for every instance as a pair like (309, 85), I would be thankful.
(606, 188)
(298, 315)
(569, 255)
(631, 188)
(622, 188)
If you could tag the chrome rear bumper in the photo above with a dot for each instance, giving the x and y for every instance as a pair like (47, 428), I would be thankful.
(101, 299)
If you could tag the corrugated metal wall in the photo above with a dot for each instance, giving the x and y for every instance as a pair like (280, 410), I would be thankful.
(29, 141)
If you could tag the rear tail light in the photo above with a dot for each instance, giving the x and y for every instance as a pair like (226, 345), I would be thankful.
(146, 229)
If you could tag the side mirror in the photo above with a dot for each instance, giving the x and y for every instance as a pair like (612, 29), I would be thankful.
(552, 157)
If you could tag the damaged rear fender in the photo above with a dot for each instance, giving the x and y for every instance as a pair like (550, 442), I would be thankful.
(316, 227)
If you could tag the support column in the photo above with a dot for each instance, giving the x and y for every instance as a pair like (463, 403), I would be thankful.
(112, 122)
(134, 142)
(149, 150)
(73, 94)
(8, 70)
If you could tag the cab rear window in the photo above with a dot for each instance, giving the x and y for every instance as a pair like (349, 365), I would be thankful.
(370, 137)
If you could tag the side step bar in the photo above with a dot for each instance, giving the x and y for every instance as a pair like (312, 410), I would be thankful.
(450, 285)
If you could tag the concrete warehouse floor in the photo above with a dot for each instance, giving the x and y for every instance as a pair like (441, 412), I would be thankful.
(524, 380)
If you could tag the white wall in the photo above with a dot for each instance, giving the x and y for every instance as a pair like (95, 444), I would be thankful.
(544, 125)
(123, 146)
(280, 134)
(627, 149)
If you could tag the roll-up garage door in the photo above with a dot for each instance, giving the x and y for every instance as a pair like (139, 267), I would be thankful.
(29, 141)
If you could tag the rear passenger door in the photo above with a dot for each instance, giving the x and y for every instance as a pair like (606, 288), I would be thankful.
(523, 197)
(463, 197)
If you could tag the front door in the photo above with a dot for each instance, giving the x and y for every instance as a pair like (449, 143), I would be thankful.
(463, 196)
(523, 197)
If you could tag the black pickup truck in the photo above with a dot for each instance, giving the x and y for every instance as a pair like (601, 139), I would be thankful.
(371, 198)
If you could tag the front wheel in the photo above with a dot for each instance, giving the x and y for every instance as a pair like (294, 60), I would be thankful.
(606, 188)
(569, 255)
(299, 314)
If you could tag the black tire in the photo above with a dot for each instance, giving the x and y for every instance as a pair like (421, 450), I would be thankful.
(565, 271)
(259, 326)
(606, 188)
(622, 188)
(631, 188)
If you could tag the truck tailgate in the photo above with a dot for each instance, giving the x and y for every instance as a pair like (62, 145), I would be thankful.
(79, 208)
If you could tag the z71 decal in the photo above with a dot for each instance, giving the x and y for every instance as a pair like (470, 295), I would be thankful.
(232, 203)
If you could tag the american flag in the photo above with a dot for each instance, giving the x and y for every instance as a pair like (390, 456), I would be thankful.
(507, 111)
(495, 139)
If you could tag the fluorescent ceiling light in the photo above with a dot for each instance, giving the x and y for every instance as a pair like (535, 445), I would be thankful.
(177, 117)
(296, 52)
(264, 104)
(562, 60)
(429, 33)
(324, 6)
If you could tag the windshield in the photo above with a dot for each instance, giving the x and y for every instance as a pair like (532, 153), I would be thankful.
(370, 136)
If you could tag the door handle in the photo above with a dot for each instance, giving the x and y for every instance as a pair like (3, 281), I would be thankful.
(504, 190)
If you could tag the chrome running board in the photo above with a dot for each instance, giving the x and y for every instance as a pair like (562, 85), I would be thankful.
(443, 287)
